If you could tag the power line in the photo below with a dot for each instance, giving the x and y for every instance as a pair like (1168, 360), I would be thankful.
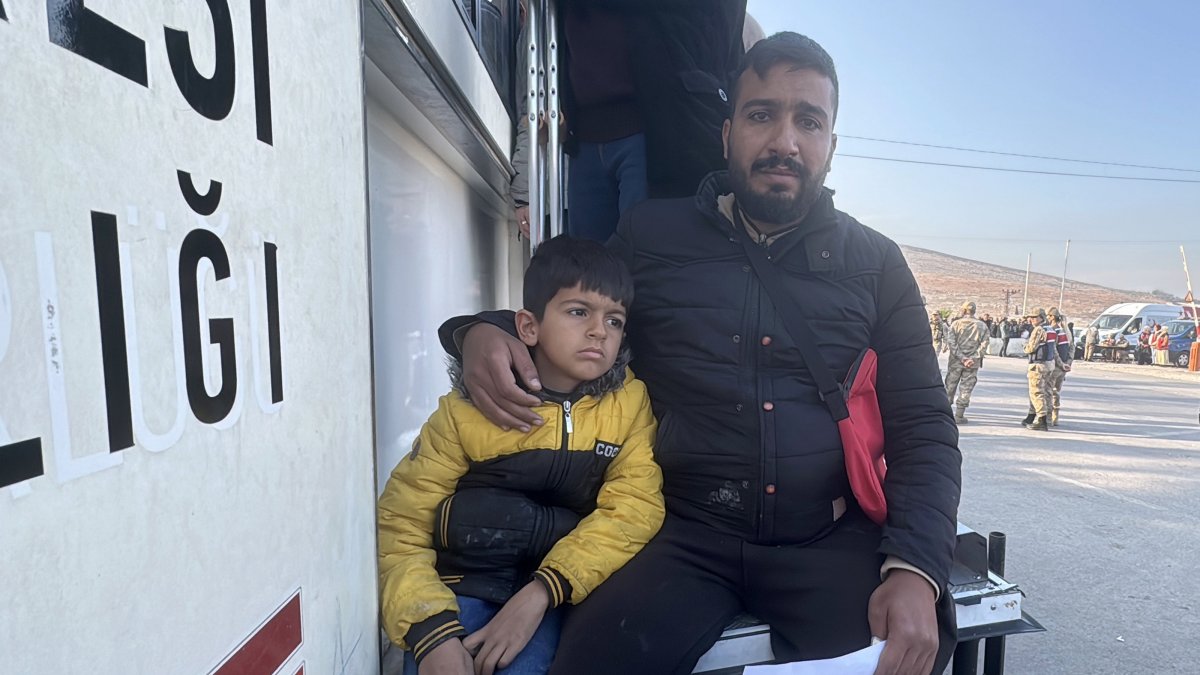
(997, 168)
(1031, 240)
(1017, 154)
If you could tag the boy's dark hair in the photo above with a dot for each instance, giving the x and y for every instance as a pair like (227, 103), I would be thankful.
(800, 51)
(563, 262)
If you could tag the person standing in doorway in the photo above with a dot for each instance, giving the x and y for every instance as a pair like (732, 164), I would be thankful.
(644, 91)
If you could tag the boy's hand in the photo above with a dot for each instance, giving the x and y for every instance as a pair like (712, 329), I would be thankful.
(489, 358)
(498, 643)
(448, 658)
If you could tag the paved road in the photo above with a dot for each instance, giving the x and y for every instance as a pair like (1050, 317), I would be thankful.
(1102, 515)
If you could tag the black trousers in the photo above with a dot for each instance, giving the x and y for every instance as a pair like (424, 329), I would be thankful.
(663, 610)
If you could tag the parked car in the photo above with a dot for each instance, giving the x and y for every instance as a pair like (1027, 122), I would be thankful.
(1182, 334)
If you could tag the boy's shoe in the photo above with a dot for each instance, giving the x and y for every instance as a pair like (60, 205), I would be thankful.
(1028, 420)
(1038, 425)
(960, 416)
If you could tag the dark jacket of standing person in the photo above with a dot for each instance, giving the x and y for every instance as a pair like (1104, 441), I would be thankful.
(679, 54)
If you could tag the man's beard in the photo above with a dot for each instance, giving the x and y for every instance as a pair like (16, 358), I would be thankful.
(777, 207)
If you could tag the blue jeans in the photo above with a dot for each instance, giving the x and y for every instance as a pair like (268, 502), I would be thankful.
(535, 659)
(605, 180)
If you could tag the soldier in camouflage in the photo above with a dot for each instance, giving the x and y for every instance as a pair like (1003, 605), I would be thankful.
(937, 328)
(967, 339)
(1066, 356)
(1043, 360)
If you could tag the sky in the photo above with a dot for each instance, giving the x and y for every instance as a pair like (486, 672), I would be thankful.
(1096, 80)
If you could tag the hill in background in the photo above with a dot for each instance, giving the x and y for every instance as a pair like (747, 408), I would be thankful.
(947, 281)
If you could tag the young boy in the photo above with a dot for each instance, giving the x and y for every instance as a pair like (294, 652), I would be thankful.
(483, 532)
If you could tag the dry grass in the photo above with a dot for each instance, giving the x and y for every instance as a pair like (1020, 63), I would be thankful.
(947, 281)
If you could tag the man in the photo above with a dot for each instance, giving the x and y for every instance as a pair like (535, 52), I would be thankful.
(968, 340)
(1142, 353)
(643, 89)
(1007, 328)
(937, 329)
(1091, 338)
(759, 515)
(1042, 349)
(1066, 356)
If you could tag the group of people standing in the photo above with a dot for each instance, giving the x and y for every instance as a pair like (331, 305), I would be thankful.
(1048, 348)
(1004, 328)
(1051, 356)
(1154, 342)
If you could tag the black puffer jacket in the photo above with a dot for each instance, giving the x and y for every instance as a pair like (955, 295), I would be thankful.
(682, 52)
(715, 356)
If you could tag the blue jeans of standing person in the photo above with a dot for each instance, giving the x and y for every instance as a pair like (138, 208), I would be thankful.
(605, 180)
(535, 659)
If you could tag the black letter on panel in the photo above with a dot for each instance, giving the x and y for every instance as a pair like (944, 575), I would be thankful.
(20, 461)
(272, 273)
(262, 70)
(112, 331)
(211, 97)
(205, 204)
(95, 38)
(197, 245)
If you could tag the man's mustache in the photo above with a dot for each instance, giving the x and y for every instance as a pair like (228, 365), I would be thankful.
(777, 162)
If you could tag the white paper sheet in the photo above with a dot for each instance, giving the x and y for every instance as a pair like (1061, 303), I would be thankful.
(861, 662)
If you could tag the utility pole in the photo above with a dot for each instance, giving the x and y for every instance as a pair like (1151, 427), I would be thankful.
(1191, 296)
(1008, 293)
(1025, 300)
(1063, 287)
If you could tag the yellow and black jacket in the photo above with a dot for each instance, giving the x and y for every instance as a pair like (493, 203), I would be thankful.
(471, 500)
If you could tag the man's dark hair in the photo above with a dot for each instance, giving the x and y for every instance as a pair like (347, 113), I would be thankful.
(798, 51)
(563, 262)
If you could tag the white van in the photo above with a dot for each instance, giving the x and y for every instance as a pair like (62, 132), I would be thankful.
(1128, 319)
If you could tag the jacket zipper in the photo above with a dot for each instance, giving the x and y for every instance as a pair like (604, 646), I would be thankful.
(561, 463)
(568, 427)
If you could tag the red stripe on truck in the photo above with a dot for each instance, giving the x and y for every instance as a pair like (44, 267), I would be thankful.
(270, 645)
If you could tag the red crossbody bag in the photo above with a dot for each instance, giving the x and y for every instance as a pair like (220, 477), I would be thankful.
(853, 404)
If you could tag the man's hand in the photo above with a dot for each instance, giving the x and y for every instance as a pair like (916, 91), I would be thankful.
(902, 611)
(968, 362)
(489, 357)
(448, 658)
(523, 220)
(498, 643)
